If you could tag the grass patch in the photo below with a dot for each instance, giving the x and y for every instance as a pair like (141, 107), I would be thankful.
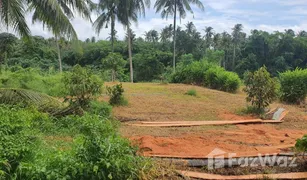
(191, 92)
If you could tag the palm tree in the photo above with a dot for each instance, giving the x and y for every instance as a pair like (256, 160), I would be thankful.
(130, 10)
(190, 28)
(225, 43)
(152, 36)
(171, 7)
(166, 34)
(109, 13)
(55, 15)
(236, 37)
(208, 36)
(216, 41)
(302, 34)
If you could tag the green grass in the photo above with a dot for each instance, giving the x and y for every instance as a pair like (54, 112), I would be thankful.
(191, 92)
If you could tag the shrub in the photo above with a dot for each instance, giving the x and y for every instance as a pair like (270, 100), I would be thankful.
(191, 74)
(293, 86)
(218, 78)
(208, 75)
(260, 88)
(102, 109)
(82, 86)
(116, 95)
(301, 144)
(191, 92)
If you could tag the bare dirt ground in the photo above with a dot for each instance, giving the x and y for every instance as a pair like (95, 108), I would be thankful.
(156, 102)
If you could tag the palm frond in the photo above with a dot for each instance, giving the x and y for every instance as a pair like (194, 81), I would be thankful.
(25, 97)
(12, 15)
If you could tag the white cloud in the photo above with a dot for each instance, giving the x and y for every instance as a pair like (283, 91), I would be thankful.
(222, 15)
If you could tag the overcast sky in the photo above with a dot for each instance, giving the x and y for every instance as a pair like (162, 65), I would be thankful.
(222, 15)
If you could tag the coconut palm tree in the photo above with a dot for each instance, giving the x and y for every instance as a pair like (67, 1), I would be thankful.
(236, 37)
(131, 9)
(152, 36)
(109, 13)
(190, 28)
(172, 7)
(53, 14)
(208, 36)
(166, 34)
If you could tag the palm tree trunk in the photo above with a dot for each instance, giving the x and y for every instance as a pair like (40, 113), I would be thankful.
(174, 39)
(5, 59)
(112, 32)
(130, 53)
(234, 58)
(59, 53)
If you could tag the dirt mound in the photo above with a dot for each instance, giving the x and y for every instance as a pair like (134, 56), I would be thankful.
(245, 140)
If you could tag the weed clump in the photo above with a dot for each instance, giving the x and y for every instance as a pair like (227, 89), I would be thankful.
(191, 92)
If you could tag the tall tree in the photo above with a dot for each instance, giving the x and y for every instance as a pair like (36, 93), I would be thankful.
(7, 41)
(208, 36)
(190, 28)
(171, 7)
(55, 15)
(216, 41)
(225, 44)
(236, 37)
(108, 13)
(131, 9)
(166, 34)
(152, 36)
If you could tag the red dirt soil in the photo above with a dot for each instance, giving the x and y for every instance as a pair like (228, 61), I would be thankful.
(246, 140)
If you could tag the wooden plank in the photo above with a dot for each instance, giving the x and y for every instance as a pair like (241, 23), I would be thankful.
(302, 175)
(262, 152)
(200, 123)
(192, 122)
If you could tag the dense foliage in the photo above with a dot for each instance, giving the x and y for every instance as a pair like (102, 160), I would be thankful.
(208, 75)
(293, 86)
(260, 89)
(35, 146)
(152, 54)
(48, 82)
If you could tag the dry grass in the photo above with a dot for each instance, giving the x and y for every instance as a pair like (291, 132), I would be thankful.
(157, 102)
(168, 102)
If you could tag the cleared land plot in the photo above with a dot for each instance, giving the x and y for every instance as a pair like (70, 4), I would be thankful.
(158, 103)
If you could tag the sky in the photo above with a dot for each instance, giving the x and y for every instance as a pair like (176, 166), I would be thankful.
(222, 15)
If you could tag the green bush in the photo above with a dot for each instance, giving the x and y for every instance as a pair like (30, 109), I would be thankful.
(208, 75)
(102, 109)
(191, 74)
(116, 95)
(301, 144)
(82, 86)
(260, 89)
(293, 86)
(33, 79)
(191, 92)
(35, 146)
(218, 78)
